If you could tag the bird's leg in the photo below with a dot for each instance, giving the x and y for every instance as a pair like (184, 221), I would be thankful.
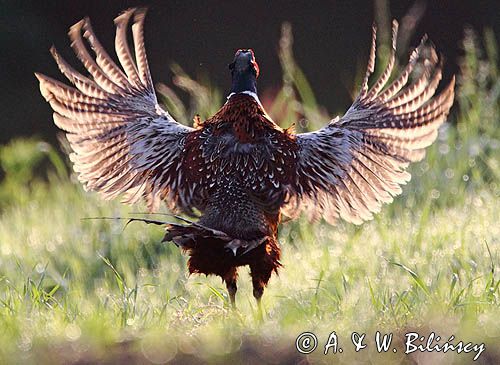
(258, 291)
(232, 288)
(264, 263)
(260, 276)
(230, 280)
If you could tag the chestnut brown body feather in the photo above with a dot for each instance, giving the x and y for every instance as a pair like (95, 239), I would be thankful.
(211, 257)
(242, 161)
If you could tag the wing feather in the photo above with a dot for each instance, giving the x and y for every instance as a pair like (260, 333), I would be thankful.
(103, 59)
(140, 51)
(356, 163)
(122, 141)
(388, 70)
(122, 48)
(82, 83)
(81, 51)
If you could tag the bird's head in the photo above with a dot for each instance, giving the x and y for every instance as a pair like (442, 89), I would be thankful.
(244, 72)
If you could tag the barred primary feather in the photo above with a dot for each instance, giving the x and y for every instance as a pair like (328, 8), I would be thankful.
(350, 167)
(122, 141)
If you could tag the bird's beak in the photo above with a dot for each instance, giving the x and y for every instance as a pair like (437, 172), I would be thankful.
(242, 61)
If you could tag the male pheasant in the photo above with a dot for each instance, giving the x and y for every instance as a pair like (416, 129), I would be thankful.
(238, 169)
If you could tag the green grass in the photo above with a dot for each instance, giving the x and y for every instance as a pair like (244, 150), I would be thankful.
(85, 291)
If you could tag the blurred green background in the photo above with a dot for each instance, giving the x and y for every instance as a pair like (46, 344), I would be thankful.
(76, 291)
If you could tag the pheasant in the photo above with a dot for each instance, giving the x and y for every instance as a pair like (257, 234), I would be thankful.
(239, 172)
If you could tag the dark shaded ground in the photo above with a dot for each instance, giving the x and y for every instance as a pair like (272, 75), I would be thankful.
(251, 351)
(331, 43)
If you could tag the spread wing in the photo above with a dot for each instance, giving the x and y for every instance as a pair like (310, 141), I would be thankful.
(122, 140)
(357, 162)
